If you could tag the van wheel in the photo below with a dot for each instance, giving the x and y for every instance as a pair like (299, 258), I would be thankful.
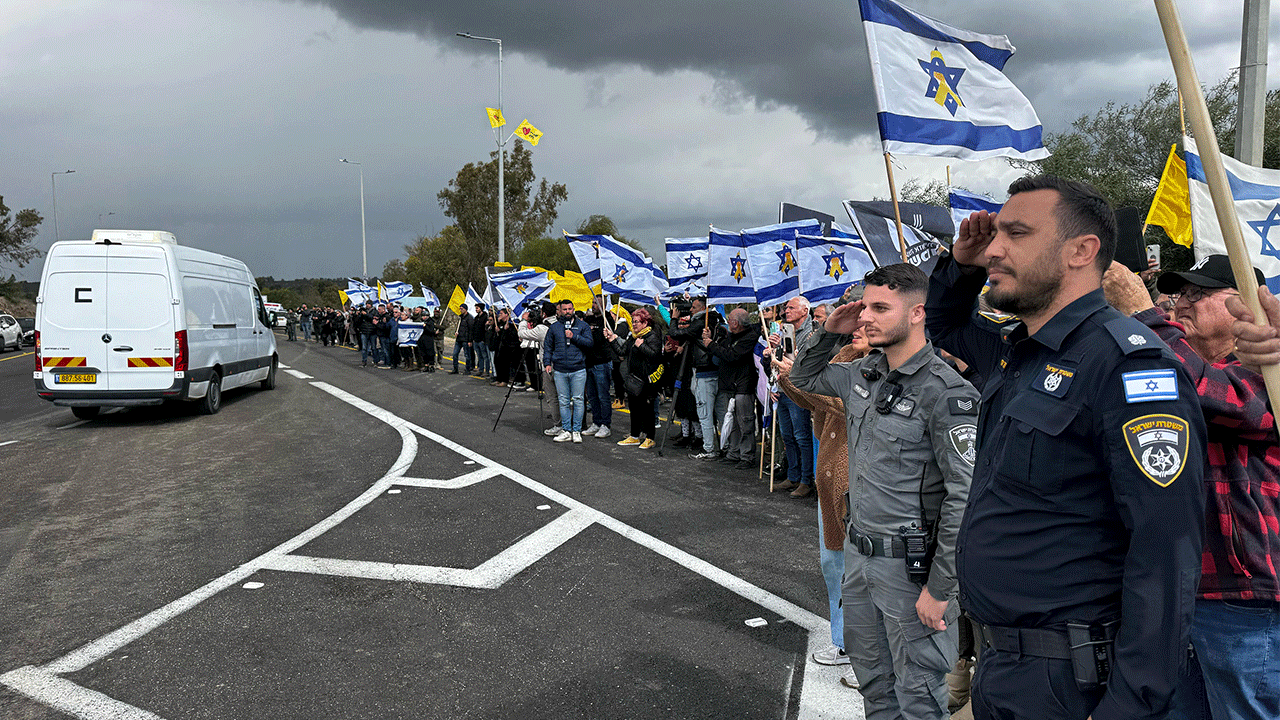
(212, 400)
(270, 382)
(85, 413)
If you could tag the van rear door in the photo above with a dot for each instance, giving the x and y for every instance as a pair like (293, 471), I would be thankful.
(73, 317)
(140, 319)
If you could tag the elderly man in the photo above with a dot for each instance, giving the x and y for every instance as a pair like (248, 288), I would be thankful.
(1236, 630)
(795, 423)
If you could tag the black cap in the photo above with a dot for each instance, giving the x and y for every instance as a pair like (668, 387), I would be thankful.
(1211, 273)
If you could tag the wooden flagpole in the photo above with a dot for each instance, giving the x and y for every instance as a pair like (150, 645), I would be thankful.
(1215, 174)
(897, 214)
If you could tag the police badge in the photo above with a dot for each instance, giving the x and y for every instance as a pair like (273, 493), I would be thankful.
(1158, 444)
(964, 438)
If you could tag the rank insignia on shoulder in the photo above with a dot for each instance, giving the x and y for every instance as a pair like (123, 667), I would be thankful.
(962, 406)
(964, 438)
(1054, 380)
(1150, 385)
(861, 390)
(1158, 445)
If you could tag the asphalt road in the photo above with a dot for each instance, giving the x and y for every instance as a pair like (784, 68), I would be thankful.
(359, 543)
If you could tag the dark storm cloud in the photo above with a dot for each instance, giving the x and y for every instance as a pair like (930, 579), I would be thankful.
(810, 57)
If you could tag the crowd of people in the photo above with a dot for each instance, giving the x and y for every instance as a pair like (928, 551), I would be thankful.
(1045, 487)
(374, 330)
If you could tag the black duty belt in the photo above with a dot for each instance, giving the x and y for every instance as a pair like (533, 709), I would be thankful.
(1040, 642)
(877, 545)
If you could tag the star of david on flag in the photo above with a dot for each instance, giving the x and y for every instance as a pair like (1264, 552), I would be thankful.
(728, 274)
(770, 255)
(923, 113)
(686, 259)
(829, 265)
(519, 288)
(586, 250)
(630, 273)
(359, 293)
(1256, 192)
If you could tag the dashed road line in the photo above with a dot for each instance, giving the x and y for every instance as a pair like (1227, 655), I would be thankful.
(298, 374)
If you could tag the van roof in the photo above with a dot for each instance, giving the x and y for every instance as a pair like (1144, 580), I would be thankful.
(116, 236)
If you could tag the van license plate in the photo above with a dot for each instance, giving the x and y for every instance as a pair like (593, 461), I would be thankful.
(76, 378)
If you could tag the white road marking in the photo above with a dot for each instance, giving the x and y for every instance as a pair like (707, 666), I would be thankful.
(821, 694)
(77, 423)
(282, 366)
(299, 375)
(8, 442)
(457, 483)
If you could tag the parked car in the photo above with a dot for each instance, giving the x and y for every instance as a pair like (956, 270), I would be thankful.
(28, 326)
(10, 333)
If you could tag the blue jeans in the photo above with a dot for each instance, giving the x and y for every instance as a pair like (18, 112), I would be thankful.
(1239, 650)
(704, 395)
(570, 387)
(384, 346)
(306, 329)
(367, 348)
(832, 562)
(796, 426)
(484, 363)
(598, 379)
(460, 346)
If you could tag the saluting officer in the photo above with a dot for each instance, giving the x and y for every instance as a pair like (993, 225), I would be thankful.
(1080, 548)
(911, 451)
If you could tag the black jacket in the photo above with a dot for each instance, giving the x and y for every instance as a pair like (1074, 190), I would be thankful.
(480, 327)
(362, 324)
(735, 350)
(644, 359)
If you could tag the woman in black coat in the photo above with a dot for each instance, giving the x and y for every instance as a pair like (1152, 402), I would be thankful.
(641, 356)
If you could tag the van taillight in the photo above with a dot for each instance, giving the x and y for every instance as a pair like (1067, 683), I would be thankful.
(180, 351)
(39, 360)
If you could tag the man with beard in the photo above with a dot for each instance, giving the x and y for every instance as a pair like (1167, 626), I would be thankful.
(910, 420)
(1079, 552)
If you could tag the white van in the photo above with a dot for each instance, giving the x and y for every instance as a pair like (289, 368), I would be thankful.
(130, 317)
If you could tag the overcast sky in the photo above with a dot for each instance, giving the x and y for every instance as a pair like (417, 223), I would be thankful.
(223, 121)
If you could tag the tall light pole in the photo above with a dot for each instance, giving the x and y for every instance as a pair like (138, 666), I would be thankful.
(1251, 103)
(53, 177)
(364, 251)
(502, 224)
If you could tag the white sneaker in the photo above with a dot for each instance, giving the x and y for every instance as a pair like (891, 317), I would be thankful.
(850, 680)
(603, 431)
(831, 656)
(577, 437)
(592, 429)
(564, 436)
(553, 430)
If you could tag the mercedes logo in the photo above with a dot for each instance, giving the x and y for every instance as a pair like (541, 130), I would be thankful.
(106, 337)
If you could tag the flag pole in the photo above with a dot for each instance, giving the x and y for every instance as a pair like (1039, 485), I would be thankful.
(897, 214)
(1216, 175)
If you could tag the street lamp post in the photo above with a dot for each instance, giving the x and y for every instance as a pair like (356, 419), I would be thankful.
(53, 177)
(364, 251)
(502, 224)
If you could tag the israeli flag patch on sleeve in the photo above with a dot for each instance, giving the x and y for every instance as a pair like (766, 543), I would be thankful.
(1150, 385)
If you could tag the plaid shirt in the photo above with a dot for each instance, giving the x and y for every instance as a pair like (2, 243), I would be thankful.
(1242, 529)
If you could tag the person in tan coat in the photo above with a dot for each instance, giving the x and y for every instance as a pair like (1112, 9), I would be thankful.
(832, 476)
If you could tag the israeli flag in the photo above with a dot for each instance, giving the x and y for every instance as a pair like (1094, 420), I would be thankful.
(519, 288)
(473, 298)
(1257, 199)
(728, 271)
(397, 290)
(359, 293)
(432, 300)
(686, 259)
(629, 273)
(829, 265)
(586, 250)
(693, 287)
(771, 252)
(942, 90)
(965, 203)
(1150, 385)
(409, 333)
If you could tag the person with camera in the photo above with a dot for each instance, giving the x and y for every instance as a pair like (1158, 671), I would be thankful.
(912, 432)
(641, 358)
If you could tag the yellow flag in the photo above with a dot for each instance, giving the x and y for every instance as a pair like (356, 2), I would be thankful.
(1171, 208)
(343, 296)
(528, 133)
(503, 265)
(455, 301)
(571, 286)
(495, 118)
(382, 291)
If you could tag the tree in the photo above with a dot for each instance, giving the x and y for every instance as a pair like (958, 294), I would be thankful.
(16, 234)
(604, 225)
(934, 192)
(470, 200)
(394, 271)
(1121, 150)
(440, 262)
(548, 253)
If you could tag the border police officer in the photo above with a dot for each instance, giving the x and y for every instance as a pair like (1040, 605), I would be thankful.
(911, 449)
(1080, 548)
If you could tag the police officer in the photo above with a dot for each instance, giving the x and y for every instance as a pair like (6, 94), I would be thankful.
(911, 450)
(1079, 552)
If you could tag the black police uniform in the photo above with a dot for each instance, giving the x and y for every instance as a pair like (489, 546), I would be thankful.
(1086, 507)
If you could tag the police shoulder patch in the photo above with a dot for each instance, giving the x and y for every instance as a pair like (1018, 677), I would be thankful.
(964, 438)
(1158, 446)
